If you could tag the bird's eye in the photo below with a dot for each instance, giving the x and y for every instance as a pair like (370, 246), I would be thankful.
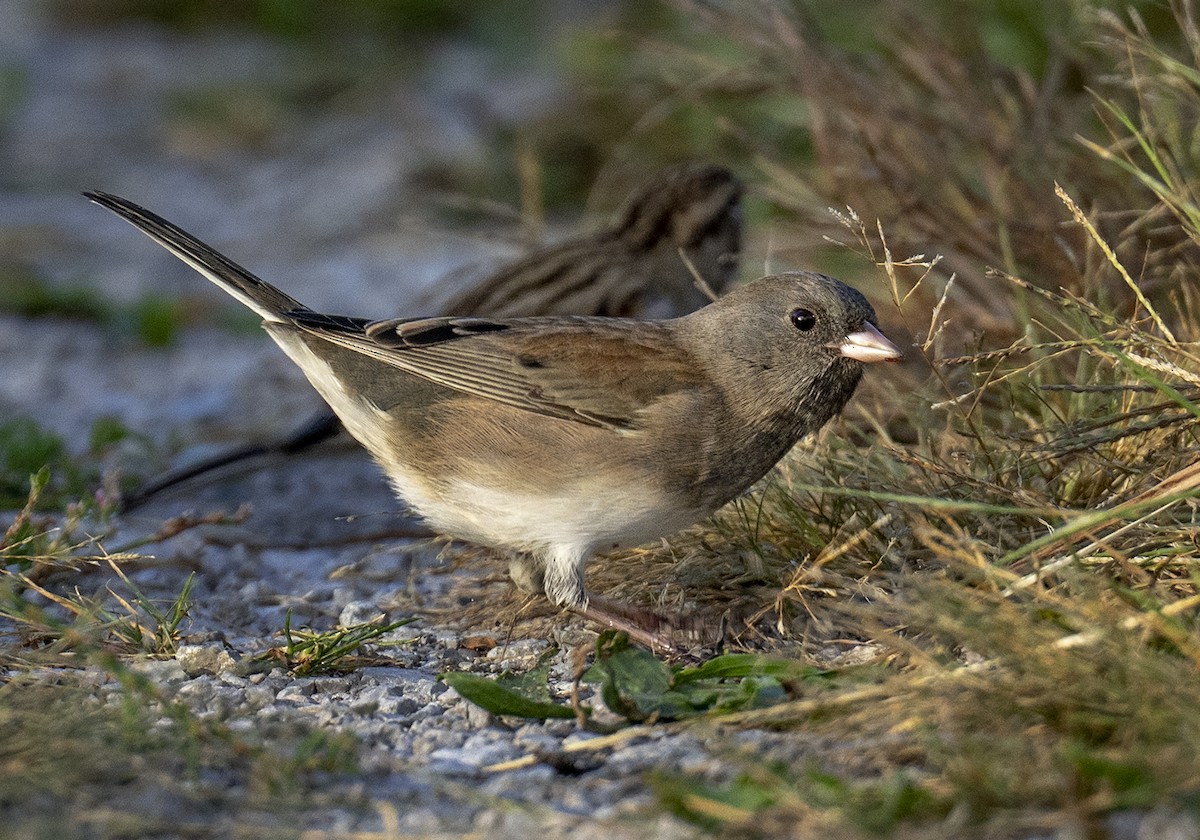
(803, 319)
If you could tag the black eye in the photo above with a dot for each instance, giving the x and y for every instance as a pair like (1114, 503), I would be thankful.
(803, 319)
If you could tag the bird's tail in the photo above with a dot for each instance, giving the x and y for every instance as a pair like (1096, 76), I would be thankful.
(259, 295)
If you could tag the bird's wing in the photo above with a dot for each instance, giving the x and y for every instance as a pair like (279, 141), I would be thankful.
(597, 371)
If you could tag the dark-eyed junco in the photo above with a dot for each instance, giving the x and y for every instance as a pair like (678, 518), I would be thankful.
(683, 224)
(556, 437)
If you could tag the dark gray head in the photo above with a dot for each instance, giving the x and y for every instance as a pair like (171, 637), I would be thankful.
(793, 342)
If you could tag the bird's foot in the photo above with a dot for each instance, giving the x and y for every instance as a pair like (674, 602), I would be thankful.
(671, 634)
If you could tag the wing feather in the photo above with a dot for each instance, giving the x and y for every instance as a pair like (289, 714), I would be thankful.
(596, 371)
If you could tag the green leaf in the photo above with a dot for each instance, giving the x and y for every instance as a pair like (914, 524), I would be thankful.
(639, 687)
(106, 432)
(632, 682)
(500, 700)
(534, 684)
(739, 665)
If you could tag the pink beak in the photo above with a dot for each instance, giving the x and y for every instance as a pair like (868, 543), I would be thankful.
(868, 345)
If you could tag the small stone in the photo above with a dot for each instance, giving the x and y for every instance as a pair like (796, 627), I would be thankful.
(342, 597)
(479, 717)
(250, 592)
(471, 756)
(370, 700)
(535, 741)
(359, 612)
(161, 671)
(296, 692)
(197, 692)
(445, 638)
(258, 696)
(204, 659)
(408, 682)
(518, 651)
(332, 686)
(223, 701)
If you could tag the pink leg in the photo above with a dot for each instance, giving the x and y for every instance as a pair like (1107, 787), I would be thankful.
(666, 633)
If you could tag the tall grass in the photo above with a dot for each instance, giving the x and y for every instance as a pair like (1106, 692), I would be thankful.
(1013, 535)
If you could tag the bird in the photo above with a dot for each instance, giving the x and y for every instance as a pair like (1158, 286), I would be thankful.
(683, 226)
(674, 246)
(555, 437)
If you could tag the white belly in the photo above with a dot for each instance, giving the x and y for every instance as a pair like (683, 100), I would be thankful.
(589, 516)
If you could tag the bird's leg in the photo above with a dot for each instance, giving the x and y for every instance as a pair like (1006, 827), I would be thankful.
(528, 572)
(560, 578)
(667, 633)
